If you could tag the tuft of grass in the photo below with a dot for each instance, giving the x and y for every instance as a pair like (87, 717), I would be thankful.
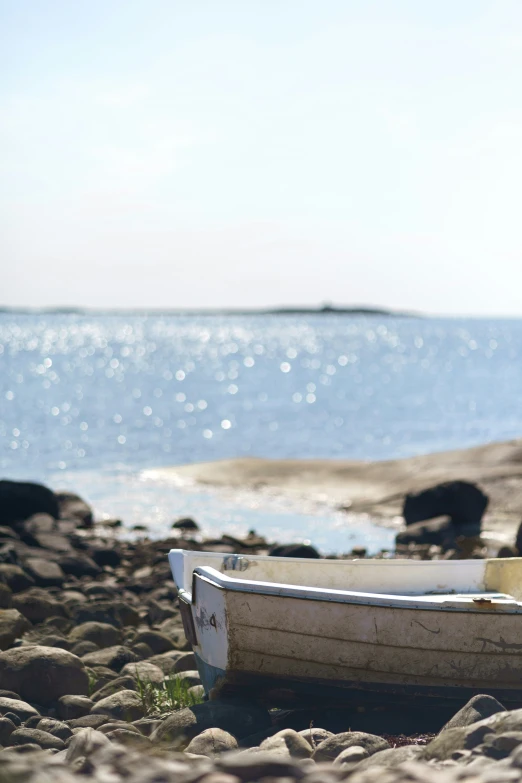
(172, 694)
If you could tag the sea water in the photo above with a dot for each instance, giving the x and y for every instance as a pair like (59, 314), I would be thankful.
(95, 402)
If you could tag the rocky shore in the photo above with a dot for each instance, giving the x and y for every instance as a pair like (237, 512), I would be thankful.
(98, 683)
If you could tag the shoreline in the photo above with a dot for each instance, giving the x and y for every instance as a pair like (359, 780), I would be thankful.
(374, 488)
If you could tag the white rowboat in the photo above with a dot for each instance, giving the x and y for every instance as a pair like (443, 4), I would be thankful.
(357, 630)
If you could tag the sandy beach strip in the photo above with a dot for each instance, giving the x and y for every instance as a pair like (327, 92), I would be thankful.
(376, 488)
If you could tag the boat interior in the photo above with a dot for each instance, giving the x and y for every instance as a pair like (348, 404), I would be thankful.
(434, 581)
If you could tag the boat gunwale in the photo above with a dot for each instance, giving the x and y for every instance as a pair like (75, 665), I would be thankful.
(330, 595)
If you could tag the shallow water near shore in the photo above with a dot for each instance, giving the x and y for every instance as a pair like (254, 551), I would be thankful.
(91, 401)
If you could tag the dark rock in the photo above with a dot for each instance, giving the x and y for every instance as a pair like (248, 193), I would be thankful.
(41, 738)
(6, 729)
(36, 606)
(124, 705)
(20, 500)
(332, 747)
(186, 523)
(212, 742)
(477, 708)
(114, 612)
(158, 642)
(518, 540)
(6, 596)
(55, 727)
(43, 674)
(120, 683)
(463, 501)
(12, 625)
(439, 531)
(15, 578)
(72, 506)
(294, 550)
(79, 565)
(89, 721)
(104, 554)
(158, 611)
(102, 634)
(32, 722)
(237, 718)
(44, 572)
(71, 707)
(46, 638)
(142, 650)
(114, 658)
(84, 648)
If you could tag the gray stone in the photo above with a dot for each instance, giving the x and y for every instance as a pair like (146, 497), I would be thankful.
(113, 612)
(43, 674)
(70, 707)
(143, 671)
(288, 743)
(508, 741)
(6, 597)
(37, 607)
(84, 648)
(147, 725)
(468, 737)
(85, 743)
(131, 738)
(55, 727)
(212, 742)
(44, 572)
(114, 658)
(12, 625)
(15, 578)
(89, 721)
(332, 747)
(254, 766)
(477, 708)
(352, 755)
(237, 718)
(158, 642)
(124, 705)
(120, 683)
(188, 678)
(315, 736)
(41, 738)
(18, 707)
(106, 728)
(167, 661)
(6, 729)
(102, 634)
(391, 757)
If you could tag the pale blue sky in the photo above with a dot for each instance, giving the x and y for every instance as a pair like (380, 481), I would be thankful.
(159, 153)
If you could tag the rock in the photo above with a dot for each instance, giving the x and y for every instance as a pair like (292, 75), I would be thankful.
(19, 500)
(142, 650)
(12, 625)
(477, 708)
(518, 539)
(235, 717)
(72, 506)
(439, 531)
(78, 565)
(463, 501)
(41, 738)
(37, 607)
(197, 692)
(6, 596)
(104, 554)
(158, 642)
(71, 707)
(6, 729)
(185, 523)
(188, 678)
(113, 612)
(102, 634)
(288, 743)
(147, 725)
(20, 708)
(84, 648)
(15, 578)
(85, 743)
(212, 742)
(294, 550)
(89, 721)
(332, 747)
(132, 738)
(119, 724)
(168, 662)
(144, 671)
(113, 657)
(120, 683)
(55, 727)
(44, 572)
(43, 674)
(124, 705)
(391, 757)
(507, 741)
(315, 736)
(352, 755)
(248, 766)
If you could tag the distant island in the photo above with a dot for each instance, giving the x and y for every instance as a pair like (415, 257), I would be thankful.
(326, 309)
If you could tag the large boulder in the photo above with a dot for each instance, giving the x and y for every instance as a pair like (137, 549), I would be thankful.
(12, 625)
(19, 500)
(43, 674)
(463, 501)
(294, 550)
(479, 707)
(72, 506)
